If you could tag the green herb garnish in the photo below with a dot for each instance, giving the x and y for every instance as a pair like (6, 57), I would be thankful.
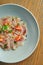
(0, 26)
(10, 31)
(12, 18)
(5, 45)
(0, 31)
(18, 24)
(15, 42)
(5, 27)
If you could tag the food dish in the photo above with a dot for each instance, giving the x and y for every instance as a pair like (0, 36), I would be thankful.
(33, 34)
(12, 32)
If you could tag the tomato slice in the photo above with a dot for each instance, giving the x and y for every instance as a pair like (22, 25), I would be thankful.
(19, 28)
(18, 38)
(1, 38)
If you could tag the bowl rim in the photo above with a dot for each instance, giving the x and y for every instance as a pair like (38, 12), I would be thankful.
(37, 27)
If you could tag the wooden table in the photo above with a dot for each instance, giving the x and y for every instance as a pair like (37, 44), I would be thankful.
(36, 7)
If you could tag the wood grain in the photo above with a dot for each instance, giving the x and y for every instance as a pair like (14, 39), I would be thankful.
(36, 7)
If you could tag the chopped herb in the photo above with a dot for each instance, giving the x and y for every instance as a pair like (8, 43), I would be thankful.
(0, 31)
(15, 42)
(5, 27)
(18, 24)
(12, 18)
(5, 45)
(12, 49)
(10, 31)
(0, 26)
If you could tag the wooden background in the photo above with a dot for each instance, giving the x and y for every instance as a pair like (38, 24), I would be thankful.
(36, 7)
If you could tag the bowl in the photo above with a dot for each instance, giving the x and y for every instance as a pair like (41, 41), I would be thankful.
(33, 34)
